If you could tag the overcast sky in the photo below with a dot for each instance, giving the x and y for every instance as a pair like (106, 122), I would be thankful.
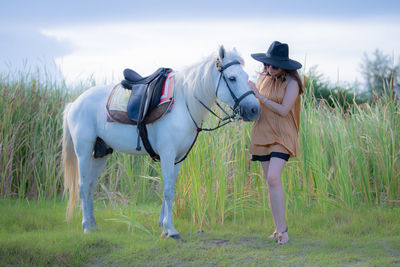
(101, 38)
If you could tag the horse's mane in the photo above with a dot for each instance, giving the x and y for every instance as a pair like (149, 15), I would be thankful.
(198, 82)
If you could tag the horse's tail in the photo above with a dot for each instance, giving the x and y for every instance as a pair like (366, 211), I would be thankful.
(70, 164)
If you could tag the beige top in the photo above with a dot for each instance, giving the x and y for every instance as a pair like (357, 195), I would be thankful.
(272, 128)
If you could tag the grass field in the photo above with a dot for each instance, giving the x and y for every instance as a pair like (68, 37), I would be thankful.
(342, 192)
(36, 234)
(346, 159)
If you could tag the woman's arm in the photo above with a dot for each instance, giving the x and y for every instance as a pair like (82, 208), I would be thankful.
(292, 91)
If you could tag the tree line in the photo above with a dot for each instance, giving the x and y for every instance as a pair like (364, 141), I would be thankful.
(381, 77)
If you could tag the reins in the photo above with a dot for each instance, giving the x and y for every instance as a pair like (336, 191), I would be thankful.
(235, 111)
(228, 117)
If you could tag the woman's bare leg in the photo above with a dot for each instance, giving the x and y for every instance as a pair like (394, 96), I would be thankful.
(276, 195)
(265, 165)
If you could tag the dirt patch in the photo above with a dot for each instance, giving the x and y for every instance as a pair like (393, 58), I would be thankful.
(210, 239)
(218, 242)
(254, 242)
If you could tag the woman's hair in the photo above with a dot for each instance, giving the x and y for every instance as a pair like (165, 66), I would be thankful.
(293, 73)
(264, 70)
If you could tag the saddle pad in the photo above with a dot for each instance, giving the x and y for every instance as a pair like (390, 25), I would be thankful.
(117, 103)
(168, 89)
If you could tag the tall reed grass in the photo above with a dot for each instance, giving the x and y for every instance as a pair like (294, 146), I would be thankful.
(30, 130)
(346, 159)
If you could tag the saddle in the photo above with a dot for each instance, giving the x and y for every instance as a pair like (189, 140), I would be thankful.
(146, 92)
(144, 104)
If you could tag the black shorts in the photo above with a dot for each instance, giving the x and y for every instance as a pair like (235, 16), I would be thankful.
(280, 155)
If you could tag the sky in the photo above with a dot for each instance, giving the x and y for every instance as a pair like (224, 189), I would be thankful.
(78, 40)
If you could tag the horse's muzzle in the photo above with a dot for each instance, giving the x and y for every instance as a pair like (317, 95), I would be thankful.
(250, 112)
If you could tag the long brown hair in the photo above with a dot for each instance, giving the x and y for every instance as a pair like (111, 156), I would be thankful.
(293, 73)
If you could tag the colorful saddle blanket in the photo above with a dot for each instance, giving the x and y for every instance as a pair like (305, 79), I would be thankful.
(117, 104)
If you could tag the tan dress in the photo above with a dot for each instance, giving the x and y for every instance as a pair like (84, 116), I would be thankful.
(273, 132)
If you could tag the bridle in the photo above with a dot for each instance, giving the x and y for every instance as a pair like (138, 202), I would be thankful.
(228, 118)
(221, 71)
(235, 110)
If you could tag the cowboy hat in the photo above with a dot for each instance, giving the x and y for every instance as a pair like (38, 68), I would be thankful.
(277, 56)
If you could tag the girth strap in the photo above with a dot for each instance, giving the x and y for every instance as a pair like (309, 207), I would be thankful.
(146, 143)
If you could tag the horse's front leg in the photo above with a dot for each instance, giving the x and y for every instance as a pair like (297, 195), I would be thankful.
(169, 173)
(161, 218)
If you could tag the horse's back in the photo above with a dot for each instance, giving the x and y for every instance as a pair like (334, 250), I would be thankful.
(95, 95)
(88, 110)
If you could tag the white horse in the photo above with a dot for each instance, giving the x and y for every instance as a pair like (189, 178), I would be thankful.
(219, 76)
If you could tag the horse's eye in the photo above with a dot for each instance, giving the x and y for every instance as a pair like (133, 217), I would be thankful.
(232, 78)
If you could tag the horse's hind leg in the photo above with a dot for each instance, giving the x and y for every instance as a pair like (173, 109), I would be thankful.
(89, 170)
(96, 166)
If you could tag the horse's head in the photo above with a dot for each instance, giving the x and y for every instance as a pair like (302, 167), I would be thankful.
(232, 87)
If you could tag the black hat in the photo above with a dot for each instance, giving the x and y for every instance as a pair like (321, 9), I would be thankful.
(278, 56)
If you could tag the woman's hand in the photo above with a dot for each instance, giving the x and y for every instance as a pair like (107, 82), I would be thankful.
(253, 88)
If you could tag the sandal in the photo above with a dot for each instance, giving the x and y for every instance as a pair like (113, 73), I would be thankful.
(280, 236)
(274, 235)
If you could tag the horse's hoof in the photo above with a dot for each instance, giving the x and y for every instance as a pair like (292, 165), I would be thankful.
(201, 232)
(176, 237)
(163, 235)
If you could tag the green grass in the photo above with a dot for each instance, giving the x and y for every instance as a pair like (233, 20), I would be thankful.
(346, 160)
(36, 234)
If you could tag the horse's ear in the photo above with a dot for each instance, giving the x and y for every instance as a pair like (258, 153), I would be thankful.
(221, 52)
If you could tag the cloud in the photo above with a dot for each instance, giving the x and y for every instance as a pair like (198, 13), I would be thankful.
(104, 50)
(29, 44)
(102, 37)
(27, 49)
(50, 12)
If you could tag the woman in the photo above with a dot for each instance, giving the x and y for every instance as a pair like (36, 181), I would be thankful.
(275, 135)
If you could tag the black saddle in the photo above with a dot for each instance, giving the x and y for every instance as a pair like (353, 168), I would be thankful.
(132, 77)
(145, 96)
(146, 92)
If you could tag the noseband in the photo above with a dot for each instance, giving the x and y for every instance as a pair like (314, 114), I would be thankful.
(235, 109)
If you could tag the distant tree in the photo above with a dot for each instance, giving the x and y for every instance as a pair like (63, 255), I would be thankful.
(344, 95)
(380, 73)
